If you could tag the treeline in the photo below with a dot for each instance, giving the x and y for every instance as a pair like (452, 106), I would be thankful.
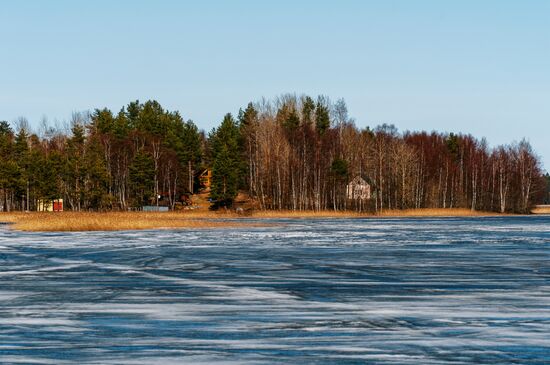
(105, 161)
(295, 153)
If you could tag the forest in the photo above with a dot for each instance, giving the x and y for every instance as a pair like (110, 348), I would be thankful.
(291, 153)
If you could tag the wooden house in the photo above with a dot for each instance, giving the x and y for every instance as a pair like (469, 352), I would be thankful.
(205, 179)
(358, 189)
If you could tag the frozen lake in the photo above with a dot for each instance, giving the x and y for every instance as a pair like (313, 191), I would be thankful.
(377, 291)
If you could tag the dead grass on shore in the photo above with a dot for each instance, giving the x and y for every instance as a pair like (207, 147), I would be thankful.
(437, 212)
(306, 214)
(115, 221)
(541, 210)
(428, 212)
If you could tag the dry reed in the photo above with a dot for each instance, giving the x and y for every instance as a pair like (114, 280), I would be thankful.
(426, 212)
(437, 212)
(541, 210)
(113, 221)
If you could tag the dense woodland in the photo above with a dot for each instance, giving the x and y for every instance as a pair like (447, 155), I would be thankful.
(294, 153)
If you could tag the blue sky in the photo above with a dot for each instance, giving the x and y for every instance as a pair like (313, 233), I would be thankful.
(480, 67)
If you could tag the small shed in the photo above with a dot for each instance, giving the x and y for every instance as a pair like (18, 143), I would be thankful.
(358, 189)
(55, 205)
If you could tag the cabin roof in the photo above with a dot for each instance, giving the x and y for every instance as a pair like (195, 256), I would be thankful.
(358, 180)
(361, 180)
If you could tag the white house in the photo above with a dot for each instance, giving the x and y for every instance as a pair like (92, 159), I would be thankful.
(358, 189)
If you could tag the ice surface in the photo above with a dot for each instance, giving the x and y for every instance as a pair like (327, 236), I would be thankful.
(381, 291)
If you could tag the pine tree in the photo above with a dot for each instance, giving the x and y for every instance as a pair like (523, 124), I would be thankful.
(22, 158)
(322, 116)
(74, 167)
(292, 121)
(141, 174)
(308, 109)
(226, 158)
(96, 179)
(8, 167)
(248, 127)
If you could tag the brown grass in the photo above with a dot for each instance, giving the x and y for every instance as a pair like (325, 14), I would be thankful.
(114, 221)
(306, 214)
(437, 212)
(428, 212)
(541, 210)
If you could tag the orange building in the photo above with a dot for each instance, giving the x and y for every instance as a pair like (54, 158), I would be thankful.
(205, 179)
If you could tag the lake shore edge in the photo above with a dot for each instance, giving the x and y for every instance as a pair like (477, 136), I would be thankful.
(198, 219)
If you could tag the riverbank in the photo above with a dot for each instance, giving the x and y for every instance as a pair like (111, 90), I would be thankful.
(116, 221)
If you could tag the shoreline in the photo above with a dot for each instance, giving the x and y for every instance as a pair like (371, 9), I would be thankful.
(197, 219)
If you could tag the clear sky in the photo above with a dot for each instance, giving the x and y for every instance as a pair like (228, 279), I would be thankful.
(480, 67)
